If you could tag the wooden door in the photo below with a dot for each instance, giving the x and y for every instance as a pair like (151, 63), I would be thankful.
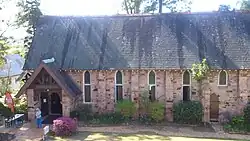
(56, 106)
(44, 103)
(214, 107)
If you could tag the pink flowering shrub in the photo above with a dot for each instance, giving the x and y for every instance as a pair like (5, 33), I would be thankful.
(64, 126)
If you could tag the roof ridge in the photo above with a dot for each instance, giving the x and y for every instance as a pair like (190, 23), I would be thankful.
(150, 14)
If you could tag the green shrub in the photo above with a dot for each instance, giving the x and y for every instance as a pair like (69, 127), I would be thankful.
(109, 118)
(157, 111)
(247, 114)
(22, 108)
(190, 112)
(83, 112)
(145, 119)
(5, 111)
(238, 122)
(127, 108)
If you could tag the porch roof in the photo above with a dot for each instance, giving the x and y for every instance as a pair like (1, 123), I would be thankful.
(61, 78)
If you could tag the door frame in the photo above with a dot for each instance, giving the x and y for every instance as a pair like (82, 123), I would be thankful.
(218, 107)
(58, 93)
(50, 91)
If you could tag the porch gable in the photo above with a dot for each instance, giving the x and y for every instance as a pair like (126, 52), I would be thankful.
(60, 79)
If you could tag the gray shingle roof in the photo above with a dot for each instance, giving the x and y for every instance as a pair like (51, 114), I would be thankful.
(152, 41)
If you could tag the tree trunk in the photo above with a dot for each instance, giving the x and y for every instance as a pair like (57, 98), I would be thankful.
(200, 89)
(126, 6)
(160, 6)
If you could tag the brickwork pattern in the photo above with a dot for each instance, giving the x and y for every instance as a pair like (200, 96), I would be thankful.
(232, 98)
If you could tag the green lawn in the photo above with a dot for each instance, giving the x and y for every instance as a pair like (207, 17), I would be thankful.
(87, 136)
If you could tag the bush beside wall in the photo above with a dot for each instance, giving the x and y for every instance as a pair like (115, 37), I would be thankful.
(188, 112)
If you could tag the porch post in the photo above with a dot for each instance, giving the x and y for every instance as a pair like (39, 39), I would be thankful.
(66, 104)
(31, 110)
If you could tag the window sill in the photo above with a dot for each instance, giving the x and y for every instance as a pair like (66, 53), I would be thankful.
(222, 85)
(87, 102)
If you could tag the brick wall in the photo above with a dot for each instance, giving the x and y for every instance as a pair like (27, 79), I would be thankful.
(169, 89)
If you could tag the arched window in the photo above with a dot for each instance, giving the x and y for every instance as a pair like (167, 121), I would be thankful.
(186, 86)
(151, 83)
(118, 86)
(87, 87)
(222, 78)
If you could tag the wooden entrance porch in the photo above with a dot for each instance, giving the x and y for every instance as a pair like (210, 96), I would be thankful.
(51, 90)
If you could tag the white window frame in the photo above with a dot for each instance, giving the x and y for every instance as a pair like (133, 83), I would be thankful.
(119, 85)
(189, 85)
(84, 88)
(152, 85)
(226, 78)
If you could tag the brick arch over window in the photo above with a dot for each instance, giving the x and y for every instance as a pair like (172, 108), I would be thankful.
(152, 84)
(223, 78)
(87, 87)
(118, 86)
(186, 85)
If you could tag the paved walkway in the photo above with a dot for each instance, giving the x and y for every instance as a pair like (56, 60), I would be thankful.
(29, 133)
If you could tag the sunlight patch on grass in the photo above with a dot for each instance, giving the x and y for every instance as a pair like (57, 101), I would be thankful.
(195, 139)
(129, 137)
(97, 136)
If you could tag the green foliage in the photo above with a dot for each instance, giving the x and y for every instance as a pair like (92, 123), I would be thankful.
(5, 111)
(245, 5)
(247, 114)
(132, 6)
(83, 112)
(200, 70)
(28, 18)
(173, 5)
(109, 118)
(21, 105)
(157, 111)
(3, 51)
(144, 102)
(145, 119)
(237, 124)
(240, 123)
(151, 6)
(189, 112)
(127, 108)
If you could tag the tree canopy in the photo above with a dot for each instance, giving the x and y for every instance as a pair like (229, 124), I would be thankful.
(27, 17)
(245, 5)
(154, 6)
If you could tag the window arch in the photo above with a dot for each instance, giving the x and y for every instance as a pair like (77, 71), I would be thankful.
(152, 84)
(186, 86)
(118, 86)
(87, 87)
(222, 78)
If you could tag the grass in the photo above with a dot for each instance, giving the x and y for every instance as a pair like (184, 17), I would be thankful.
(88, 136)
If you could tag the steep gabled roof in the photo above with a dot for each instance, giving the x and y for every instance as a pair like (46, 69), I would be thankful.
(152, 41)
(61, 78)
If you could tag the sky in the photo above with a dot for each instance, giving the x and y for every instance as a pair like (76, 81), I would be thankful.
(110, 7)
(93, 7)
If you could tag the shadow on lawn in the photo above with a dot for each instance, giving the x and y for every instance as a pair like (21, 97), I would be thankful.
(139, 136)
(91, 136)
